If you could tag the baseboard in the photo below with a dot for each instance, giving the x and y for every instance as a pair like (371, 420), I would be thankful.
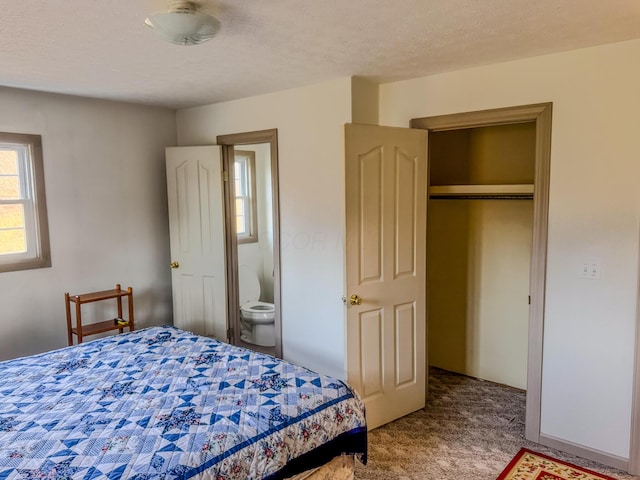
(585, 452)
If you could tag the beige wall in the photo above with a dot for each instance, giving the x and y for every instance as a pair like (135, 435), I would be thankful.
(499, 154)
(310, 124)
(364, 101)
(479, 253)
(594, 214)
(107, 208)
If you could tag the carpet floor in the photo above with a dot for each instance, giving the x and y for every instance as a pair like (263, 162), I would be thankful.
(469, 430)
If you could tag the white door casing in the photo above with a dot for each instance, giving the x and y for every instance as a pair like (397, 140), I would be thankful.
(386, 196)
(196, 231)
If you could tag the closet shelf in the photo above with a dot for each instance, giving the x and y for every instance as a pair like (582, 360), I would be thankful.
(485, 190)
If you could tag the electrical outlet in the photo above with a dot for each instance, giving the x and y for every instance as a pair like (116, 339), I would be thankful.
(594, 270)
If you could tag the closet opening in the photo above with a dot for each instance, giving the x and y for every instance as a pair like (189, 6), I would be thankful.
(479, 232)
(488, 183)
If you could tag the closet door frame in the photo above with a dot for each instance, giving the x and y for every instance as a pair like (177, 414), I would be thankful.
(541, 115)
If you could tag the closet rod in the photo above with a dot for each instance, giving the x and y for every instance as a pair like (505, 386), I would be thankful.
(482, 197)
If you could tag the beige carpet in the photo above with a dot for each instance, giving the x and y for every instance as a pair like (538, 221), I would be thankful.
(469, 430)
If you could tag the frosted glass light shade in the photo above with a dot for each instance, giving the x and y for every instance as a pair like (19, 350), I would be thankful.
(183, 28)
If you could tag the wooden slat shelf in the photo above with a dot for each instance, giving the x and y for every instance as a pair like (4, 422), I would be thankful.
(99, 327)
(462, 190)
(81, 330)
(98, 296)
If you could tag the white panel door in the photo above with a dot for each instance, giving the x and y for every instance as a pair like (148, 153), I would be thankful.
(386, 194)
(196, 229)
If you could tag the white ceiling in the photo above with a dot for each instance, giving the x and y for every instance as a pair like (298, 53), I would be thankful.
(101, 48)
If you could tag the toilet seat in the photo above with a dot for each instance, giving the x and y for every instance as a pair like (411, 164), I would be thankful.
(258, 307)
(258, 313)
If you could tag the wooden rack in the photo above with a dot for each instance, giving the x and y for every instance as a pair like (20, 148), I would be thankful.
(118, 323)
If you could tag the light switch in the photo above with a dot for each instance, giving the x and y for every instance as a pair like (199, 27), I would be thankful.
(590, 270)
(584, 271)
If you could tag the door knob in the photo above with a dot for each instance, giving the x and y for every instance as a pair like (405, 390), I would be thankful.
(174, 265)
(355, 300)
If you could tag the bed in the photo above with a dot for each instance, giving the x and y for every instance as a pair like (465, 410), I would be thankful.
(162, 403)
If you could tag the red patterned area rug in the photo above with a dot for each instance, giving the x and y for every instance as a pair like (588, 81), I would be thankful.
(528, 465)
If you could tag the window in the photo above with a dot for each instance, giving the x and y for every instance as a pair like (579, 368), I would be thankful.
(24, 235)
(245, 190)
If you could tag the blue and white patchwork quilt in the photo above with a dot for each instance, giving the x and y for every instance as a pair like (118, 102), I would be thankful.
(162, 403)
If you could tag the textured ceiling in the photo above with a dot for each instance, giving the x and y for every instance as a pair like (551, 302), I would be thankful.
(101, 48)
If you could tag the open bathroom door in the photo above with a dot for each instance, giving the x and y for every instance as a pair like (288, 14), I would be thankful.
(197, 236)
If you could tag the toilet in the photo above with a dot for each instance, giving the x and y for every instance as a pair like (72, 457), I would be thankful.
(257, 318)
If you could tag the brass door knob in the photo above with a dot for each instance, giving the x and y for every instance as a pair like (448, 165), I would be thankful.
(355, 300)
(174, 265)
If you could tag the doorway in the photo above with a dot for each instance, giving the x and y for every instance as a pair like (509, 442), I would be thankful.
(252, 231)
(457, 185)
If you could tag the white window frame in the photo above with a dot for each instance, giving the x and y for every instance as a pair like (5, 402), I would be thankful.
(247, 159)
(32, 198)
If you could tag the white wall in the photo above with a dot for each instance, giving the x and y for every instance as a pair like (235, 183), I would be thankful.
(311, 173)
(594, 214)
(107, 209)
(259, 255)
(265, 220)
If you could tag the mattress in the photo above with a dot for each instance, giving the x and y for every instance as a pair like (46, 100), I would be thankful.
(163, 403)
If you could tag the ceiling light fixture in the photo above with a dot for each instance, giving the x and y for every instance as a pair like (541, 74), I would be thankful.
(183, 24)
